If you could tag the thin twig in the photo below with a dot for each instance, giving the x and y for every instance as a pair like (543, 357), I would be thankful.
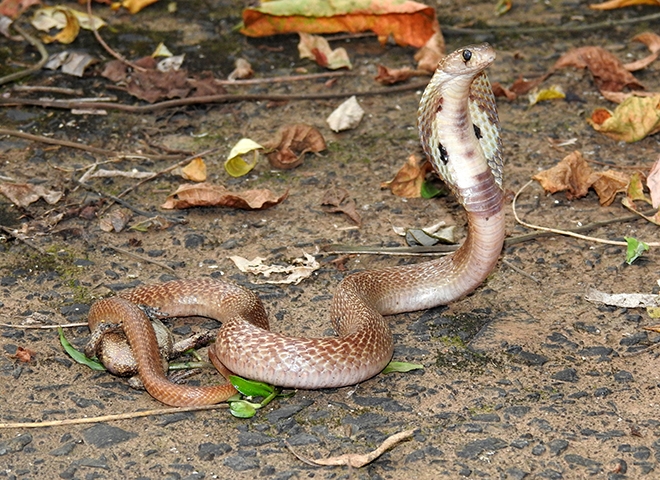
(168, 170)
(47, 89)
(566, 232)
(548, 29)
(141, 258)
(35, 42)
(23, 239)
(520, 271)
(81, 146)
(284, 78)
(111, 418)
(208, 99)
(44, 327)
(107, 48)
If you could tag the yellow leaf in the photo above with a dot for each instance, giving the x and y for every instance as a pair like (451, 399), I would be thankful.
(70, 31)
(195, 171)
(552, 93)
(135, 6)
(235, 165)
(47, 18)
(622, 3)
(634, 119)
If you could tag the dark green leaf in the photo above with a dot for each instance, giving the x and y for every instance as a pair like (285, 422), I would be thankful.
(428, 190)
(78, 356)
(401, 367)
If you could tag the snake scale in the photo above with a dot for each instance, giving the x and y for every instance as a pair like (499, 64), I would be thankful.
(459, 131)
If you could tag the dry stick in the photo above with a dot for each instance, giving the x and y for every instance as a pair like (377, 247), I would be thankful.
(168, 170)
(447, 249)
(107, 48)
(566, 232)
(142, 258)
(20, 238)
(220, 98)
(44, 88)
(110, 418)
(81, 146)
(34, 68)
(284, 79)
(548, 29)
(520, 271)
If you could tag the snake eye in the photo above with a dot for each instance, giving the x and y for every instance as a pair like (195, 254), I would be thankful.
(467, 55)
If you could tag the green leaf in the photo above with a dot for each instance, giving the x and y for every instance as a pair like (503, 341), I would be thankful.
(402, 367)
(78, 356)
(242, 409)
(635, 249)
(428, 190)
(251, 388)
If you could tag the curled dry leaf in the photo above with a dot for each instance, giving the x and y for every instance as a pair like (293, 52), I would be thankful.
(318, 49)
(115, 220)
(346, 116)
(408, 181)
(236, 165)
(390, 76)
(24, 355)
(207, 195)
(243, 70)
(431, 53)
(572, 174)
(607, 184)
(634, 119)
(195, 171)
(653, 182)
(500, 91)
(300, 268)
(652, 41)
(608, 72)
(23, 194)
(337, 200)
(291, 143)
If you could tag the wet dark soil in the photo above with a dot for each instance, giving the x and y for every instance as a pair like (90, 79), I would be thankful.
(522, 379)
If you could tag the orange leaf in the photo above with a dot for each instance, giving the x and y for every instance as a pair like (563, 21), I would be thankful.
(572, 174)
(135, 6)
(195, 171)
(408, 22)
(607, 70)
(408, 181)
(652, 41)
(622, 3)
(207, 195)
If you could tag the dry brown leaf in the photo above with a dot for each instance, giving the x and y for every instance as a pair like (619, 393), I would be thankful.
(521, 86)
(337, 200)
(195, 171)
(653, 182)
(620, 97)
(23, 194)
(607, 184)
(390, 76)
(23, 354)
(297, 271)
(14, 8)
(291, 143)
(207, 195)
(116, 220)
(572, 174)
(408, 181)
(500, 91)
(622, 3)
(318, 49)
(243, 70)
(429, 55)
(608, 72)
(632, 120)
(652, 41)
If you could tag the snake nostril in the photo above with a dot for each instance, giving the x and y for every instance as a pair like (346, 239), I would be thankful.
(467, 55)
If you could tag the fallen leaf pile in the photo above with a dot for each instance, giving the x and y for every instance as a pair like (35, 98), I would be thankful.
(574, 176)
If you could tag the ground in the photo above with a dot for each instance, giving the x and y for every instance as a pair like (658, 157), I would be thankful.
(523, 378)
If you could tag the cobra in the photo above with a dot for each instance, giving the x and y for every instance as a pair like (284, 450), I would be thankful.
(459, 131)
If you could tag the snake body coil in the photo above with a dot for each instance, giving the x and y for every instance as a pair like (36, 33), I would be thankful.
(459, 130)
